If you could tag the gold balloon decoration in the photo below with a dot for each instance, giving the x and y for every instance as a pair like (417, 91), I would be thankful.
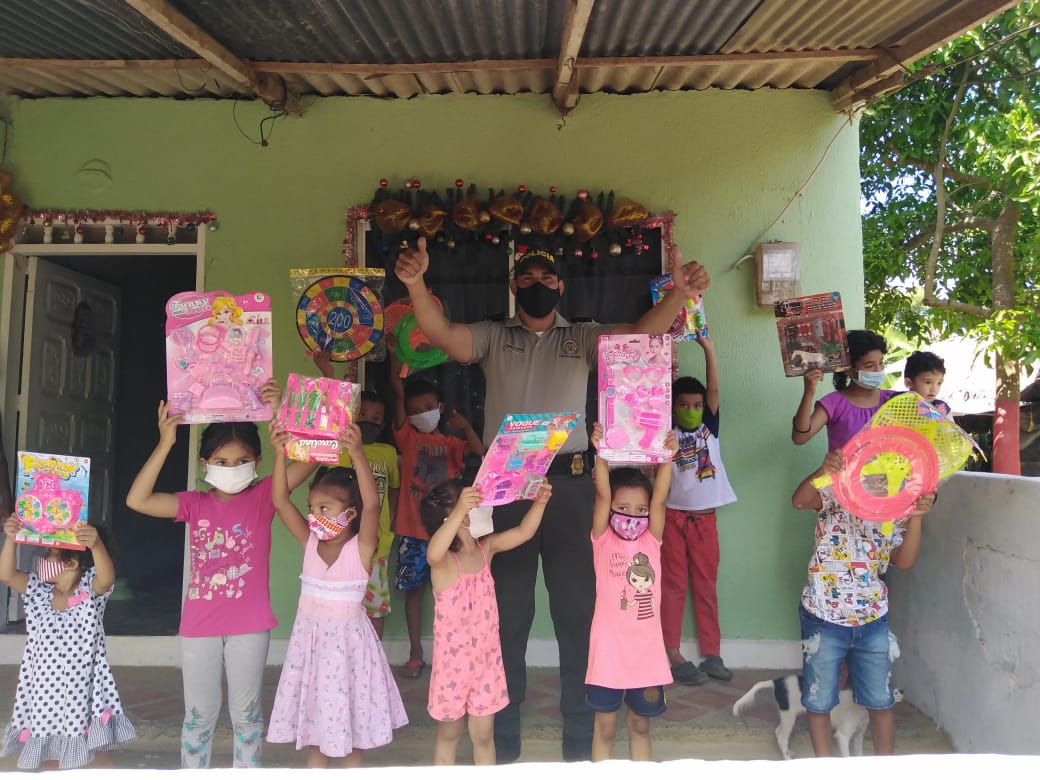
(10, 211)
(506, 208)
(466, 213)
(544, 217)
(391, 216)
(588, 222)
(627, 213)
(431, 219)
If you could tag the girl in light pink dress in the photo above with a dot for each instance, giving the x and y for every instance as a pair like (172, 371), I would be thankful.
(467, 676)
(336, 695)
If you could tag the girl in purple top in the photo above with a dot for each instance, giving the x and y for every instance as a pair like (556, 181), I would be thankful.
(226, 619)
(847, 410)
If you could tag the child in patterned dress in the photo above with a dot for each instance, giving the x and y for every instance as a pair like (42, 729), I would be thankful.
(67, 708)
(336, 695)
(467, 676)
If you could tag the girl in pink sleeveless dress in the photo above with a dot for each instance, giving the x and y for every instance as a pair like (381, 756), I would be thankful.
(627, 659)
(467, 676)
(336, 695)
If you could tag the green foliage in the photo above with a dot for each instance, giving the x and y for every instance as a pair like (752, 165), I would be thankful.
(994, 149)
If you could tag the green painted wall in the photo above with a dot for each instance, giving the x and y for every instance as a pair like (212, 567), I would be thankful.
(725, 162)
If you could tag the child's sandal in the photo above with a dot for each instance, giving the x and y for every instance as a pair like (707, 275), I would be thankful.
(413, 669)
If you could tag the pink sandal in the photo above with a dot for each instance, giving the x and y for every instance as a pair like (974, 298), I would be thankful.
(413, 669)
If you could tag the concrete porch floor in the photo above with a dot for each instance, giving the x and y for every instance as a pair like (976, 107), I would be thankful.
(698, 724)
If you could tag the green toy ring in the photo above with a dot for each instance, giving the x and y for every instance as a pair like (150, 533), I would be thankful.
(413, 348)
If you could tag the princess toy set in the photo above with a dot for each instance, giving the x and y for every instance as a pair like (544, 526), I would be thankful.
(635, 397)
(315, 411)
(218, 356)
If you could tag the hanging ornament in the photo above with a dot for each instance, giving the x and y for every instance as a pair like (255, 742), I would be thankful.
(525, 229)
(484, 217)
(431, 218)
(615, 249)
(506, 208)
(583, 194)
(627, 213)
(567, 229)
(579, 252)
(413, 224)
(588, 222)
(383, 183)
(545, 217)
(391, 216)
(459, 183)
(465, 213)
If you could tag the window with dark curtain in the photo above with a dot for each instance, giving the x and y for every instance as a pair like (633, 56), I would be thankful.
(472, 281)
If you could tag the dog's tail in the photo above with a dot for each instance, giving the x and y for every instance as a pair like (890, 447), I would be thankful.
(748, 698)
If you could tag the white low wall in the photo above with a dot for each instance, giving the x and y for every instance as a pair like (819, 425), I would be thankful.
(968, 615)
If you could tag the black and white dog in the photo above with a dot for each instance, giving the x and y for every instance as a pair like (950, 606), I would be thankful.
(848, 719)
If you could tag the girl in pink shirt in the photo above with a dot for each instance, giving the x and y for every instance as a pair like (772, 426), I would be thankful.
(627, 659)
(226, 619)
(467, 675)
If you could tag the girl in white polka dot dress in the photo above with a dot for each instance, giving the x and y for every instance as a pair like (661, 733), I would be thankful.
(67, 708)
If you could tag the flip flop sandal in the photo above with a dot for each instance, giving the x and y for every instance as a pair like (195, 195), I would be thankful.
(413, 669)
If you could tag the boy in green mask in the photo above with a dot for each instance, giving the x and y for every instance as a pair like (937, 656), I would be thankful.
(690, 547)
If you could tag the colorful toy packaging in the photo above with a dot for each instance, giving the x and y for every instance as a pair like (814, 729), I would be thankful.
(690, 322)
(51, 497)
(218, 356)
(811, 329)
(315, 411)
(635, 397)
(515, 464)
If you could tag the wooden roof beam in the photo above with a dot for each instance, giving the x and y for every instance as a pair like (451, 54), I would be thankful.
(883, 76)
(565, 84)
(271, 88)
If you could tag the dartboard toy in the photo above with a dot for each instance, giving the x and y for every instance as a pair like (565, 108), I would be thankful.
(341, 315)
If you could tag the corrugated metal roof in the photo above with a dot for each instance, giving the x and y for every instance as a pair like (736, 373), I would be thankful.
(402, 48)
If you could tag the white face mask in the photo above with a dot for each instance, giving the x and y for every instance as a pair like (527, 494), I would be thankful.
(427, 421)
(231, 479)
(480, 521)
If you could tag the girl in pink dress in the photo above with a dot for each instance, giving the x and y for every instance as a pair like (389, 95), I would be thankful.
(336, 695)
(627, 659)
(467, 676)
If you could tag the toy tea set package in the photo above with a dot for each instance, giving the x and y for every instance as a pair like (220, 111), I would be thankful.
(515, 464)
(51, 498)
(315, 411)
(218, 356)
(690, 322)
(635, 397)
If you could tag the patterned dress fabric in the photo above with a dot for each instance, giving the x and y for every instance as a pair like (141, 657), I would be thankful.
(67, 706)
(336, 691)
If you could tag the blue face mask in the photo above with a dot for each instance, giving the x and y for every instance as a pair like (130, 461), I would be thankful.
(869, 380)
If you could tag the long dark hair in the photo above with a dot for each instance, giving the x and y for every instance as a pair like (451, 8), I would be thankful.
(437, 504)
(860, 343)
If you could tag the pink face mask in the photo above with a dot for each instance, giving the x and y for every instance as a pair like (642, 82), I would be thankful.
(48, 570)
(629, 527)
(326, 528)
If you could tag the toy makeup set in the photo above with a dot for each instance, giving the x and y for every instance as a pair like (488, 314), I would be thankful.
(315, 411)
(52, 493)
(218, 356)
(515, 464)
(635, 397)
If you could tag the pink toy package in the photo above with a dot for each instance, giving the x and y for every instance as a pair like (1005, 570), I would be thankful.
(315, 411)
(515, 464)
(52, 493)
(218, 356)
(635, 397)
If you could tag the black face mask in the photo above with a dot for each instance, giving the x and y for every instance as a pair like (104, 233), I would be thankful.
(537, 299)
(370, 431)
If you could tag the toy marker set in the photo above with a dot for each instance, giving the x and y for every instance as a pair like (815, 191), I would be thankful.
(51, 498)
(635, 397)
(218, 356)
(515, 464)
(315, 411)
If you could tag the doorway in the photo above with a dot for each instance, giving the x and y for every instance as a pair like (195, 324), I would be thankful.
(149, 553)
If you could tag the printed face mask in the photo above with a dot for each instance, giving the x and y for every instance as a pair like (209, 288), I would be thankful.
(689, 419)
(869, 380)
(369, 431)
(231, 479)
(48, 570)
(325, 527)
(537, 299)
(629, 527)
(427, 421)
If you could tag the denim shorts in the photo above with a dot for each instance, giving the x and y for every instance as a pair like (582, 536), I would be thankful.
(866, 649)
(413, 571)
(648, 702)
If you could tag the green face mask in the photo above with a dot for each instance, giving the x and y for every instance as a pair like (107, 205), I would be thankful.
(689, 419)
